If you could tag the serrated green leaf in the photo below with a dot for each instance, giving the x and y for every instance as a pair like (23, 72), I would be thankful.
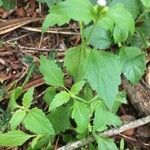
(100, 37)
(80, 114)
(13, 97)
(37, 122)
(49, 95)
(118, 17)
(14, 138)
(133, 63)
(88, 93)
(60, 99)
(60, 119)
(9, 4)
(122, 144)
(42, 142)
(74, 62)
(133, 6)
(27, 98)
(103, 73)
(1, 3)
(35, 140)
(51, 72)
(106, 144)
(121, 98)
(50, 3)
(119, 34)
(77, 87)
(146, 3)
(63, 12)
(145, 27)
(17, 118)
(103, 118)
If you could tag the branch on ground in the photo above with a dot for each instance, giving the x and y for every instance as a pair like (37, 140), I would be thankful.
(109, 133)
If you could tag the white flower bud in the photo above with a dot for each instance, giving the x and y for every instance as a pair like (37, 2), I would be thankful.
(102, 3)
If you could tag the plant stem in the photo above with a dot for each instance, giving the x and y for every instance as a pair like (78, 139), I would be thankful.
(93, 99)
(89, 36)
(82, 33)
(140, 16)
(80, 99)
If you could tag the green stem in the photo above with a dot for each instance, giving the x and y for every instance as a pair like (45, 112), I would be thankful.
(80, 99)
(82, 33)
(75, 97)
(140, 16)
(93, 99)
(97, 19)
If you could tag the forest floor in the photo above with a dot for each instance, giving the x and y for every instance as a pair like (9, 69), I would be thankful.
(22, 42)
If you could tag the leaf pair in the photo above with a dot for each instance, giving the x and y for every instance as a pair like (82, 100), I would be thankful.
(20, 114)
(103, 70)
(119, 21)
(63, 12)
(34, 120)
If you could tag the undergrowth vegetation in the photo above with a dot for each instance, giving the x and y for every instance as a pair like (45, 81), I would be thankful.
(113, 40)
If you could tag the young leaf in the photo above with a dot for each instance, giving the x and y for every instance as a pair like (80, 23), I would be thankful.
(103, 73)
(119, 18)
(77, 87)
(103, 118)
(146, 3)
(106, 144)
(51, 72)
(120, 34)
(14, 138)
(63, 12)
(8, 4)
(35, 140)
(60, 119)
(13, 97)
(88, 93)
(60, 99)
(27, 98)
(100, 37)
(121, 98)
(37, 122)
(74, 62)
(122, 144)
(41, 143)
(133, 63)
(49, 95)
(17, 118)
(133, 6)
(80, 114)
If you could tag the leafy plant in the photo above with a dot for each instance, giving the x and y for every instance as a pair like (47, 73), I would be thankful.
(91, 103)
(49, 2)
(8, 4)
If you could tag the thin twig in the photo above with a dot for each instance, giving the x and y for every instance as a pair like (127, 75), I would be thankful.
(38, 49)
(109, 133)
(50, 31)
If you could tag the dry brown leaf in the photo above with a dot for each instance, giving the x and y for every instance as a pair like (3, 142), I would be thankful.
(4, 77)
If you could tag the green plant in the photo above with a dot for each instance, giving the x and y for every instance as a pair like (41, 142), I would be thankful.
(49, 2)
(8, 4)
(94, 99)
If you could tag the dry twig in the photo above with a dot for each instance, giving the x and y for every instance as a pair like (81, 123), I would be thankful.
(109, 133)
